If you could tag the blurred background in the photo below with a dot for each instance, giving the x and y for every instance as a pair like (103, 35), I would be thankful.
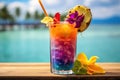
(24, 39)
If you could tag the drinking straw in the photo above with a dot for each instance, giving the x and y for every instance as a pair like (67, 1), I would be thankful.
(43, 7)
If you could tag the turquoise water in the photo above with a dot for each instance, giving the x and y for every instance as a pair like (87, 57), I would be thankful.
(33, 45)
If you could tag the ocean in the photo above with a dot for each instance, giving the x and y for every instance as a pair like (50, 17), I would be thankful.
(33, 45)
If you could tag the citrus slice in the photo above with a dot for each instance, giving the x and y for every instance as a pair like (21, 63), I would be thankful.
(46, 20)
(86, 12)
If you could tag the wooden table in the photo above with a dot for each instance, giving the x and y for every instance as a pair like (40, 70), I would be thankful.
(41, 71)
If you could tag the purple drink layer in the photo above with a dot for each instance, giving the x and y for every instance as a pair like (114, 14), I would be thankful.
(63, 53)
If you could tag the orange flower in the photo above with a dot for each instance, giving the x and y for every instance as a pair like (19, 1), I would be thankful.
(91, 66)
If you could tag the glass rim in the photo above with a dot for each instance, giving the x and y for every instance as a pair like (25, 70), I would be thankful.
(61, 22)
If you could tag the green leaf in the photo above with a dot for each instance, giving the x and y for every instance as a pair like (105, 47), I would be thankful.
(77, 63)
(75, 70)
(83, 71)
(78, 68)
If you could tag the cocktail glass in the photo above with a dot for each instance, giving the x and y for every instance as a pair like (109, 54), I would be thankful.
(63, 37)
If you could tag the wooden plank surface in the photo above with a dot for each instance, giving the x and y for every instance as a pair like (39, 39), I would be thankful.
(41, 71)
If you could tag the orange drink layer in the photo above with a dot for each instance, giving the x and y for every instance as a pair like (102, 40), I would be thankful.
(63, 37)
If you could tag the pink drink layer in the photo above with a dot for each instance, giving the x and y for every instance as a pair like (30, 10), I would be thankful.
(62, 45)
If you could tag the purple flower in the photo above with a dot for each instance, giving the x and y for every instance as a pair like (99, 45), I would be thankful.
(75, 18)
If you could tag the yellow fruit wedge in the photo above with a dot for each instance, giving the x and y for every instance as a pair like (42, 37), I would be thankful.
(83, 10)
(46, 20)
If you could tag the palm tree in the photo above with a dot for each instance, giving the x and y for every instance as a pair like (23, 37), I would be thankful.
(4, 14)
(37, 18)
(17, 11)
(6, 17)
(63, 16)
(27, 16)
(51, 15)
(36, 15)
(42, 15)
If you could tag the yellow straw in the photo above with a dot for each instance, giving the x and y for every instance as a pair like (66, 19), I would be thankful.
(43, 7)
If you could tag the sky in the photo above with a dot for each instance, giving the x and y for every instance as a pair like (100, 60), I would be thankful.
(102, 10)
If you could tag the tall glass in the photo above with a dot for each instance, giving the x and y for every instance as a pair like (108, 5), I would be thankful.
(63, 37)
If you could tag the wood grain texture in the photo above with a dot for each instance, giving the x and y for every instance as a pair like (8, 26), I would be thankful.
(41, 71)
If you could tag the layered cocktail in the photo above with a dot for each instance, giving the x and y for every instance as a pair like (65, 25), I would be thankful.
(63, 37)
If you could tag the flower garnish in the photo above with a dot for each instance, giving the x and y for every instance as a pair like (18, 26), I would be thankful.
(57, 18)
(75, 18)
(84, 66)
